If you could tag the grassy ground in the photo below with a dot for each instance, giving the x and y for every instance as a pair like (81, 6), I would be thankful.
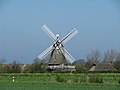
(56, 86)
(60, 81)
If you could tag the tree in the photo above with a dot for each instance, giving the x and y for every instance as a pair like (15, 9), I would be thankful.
(117, 61)
(36, 66)
(110, 55)
(2, 60)
(80, 65)
(93, 57)
(15, 66)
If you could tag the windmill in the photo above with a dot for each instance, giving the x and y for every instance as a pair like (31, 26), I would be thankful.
(57, 50)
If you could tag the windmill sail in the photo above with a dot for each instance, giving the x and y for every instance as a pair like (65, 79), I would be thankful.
(68, 57)
(49, 32)
(45, 53)
(69, 35)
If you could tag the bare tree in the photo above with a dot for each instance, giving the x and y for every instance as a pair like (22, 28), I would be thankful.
(36, 66)
(93, 57)
(2, 60)
(118, 57)
(110, 55)
(15, 66)
(117, 61)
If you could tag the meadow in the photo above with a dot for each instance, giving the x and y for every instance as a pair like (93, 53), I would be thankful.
(60, 81)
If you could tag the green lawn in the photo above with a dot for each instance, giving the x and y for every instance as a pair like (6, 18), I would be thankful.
(60, 81)
(56, 86)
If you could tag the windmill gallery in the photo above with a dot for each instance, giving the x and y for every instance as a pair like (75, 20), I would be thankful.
(59, 58)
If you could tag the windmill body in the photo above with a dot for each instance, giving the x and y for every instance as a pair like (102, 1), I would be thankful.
(58, 54)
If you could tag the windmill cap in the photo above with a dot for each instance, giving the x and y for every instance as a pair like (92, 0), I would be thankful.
(57, 35)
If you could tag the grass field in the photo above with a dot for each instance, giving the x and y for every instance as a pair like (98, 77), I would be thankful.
(60, 81)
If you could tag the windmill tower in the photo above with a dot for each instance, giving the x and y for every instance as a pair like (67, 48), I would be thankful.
(58, 54)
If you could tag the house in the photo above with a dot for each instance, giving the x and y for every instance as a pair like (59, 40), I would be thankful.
(24, 67)
(102, 67)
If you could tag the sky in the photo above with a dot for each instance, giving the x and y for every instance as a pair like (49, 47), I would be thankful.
(22, 39)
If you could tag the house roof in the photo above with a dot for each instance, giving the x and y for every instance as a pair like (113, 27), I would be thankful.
(102, 67)
(57, 57)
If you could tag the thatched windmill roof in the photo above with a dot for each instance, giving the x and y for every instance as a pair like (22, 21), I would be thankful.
(102, 67)
(57, 57)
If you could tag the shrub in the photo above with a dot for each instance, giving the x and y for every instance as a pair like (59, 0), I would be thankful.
(60, 79)
(95, 79)
(119, 81)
